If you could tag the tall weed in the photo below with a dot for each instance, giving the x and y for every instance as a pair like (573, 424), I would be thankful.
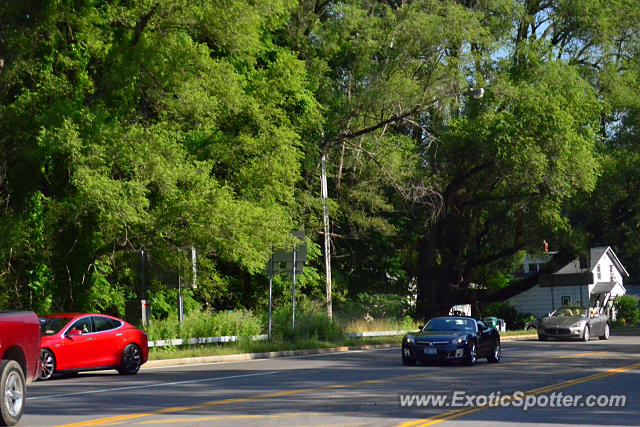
(311, 323)
(198, 324)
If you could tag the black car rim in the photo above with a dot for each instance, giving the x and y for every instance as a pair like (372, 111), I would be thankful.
(48, 365)
(132, 358)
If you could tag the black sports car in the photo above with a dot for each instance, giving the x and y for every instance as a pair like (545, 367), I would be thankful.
(452, 339)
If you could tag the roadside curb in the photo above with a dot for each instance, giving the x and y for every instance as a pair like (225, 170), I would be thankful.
(226, 358)
(625, 332)
(265, 355)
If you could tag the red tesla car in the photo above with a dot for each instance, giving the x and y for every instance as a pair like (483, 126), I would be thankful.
(73, 342)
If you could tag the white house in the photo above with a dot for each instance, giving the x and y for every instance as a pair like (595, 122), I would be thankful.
(595, 285)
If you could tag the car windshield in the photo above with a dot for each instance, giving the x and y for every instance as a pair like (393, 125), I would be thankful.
(570, 312)
(53, 325)
(450, 324)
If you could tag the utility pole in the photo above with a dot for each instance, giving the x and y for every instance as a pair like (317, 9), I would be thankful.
(293, 290)
(180, 301)
(327, 243)
(270, 293)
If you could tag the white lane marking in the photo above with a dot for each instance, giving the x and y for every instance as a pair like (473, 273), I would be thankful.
(151, 385)
(209, 379)
(335, 353)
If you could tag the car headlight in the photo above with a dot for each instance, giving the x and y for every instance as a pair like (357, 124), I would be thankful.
(458, 341)
(409, 339)
(578, 324)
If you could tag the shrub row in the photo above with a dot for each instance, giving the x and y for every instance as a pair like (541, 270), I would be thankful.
(628, 311)
(205, 324)
(311, 323)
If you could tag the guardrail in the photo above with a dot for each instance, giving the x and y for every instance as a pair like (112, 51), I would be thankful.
(374, 334)
(203, 340)
(233, 338)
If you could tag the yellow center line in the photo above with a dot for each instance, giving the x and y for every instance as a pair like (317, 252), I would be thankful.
(229, 417)
(471, 410)
(128, 417)
(120, 418)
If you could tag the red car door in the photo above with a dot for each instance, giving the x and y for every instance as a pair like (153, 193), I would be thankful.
(78, 347)
(109, 340)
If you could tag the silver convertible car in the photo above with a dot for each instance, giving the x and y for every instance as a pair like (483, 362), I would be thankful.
(574, 322)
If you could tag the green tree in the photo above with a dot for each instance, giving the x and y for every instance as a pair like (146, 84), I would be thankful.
(144, 125)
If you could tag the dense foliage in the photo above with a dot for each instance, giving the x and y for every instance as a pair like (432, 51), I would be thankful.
(628, 310)
(196, 324)
(159, 125)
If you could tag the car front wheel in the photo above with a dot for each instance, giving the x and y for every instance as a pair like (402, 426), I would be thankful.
(585, 334)
(48, 361)
(496, 354)
(12, 392)
(131, 360)
(472, 355)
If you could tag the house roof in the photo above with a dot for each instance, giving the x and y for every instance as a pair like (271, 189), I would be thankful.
(571, 268)
(603, 287)
(597, 253)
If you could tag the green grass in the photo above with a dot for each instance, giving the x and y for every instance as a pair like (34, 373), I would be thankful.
(517, 332)
(383, 324)
(178, 352)
(202, 350)
(206, 324)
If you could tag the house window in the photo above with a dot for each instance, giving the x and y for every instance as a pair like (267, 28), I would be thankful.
(533, 268)
(565, 301)
(611, 275)
(598, 271)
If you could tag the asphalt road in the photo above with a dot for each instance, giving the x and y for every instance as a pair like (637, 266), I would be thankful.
(357, 388)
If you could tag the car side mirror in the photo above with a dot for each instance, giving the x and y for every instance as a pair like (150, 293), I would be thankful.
(74, 333)
(420, 327)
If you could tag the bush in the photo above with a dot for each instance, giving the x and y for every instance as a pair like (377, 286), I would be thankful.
(628, 312)
(384, 324)
(164, 303)
(311, 323)
(198, 324)
(509, 314)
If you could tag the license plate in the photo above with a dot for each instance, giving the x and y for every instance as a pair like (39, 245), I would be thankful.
(430, 350)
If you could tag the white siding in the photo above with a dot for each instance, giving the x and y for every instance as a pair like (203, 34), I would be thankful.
(539, 301)
(618, 290)
(531, 263)
(608, 271)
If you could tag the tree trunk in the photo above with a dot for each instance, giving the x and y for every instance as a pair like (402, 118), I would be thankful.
(432, 285)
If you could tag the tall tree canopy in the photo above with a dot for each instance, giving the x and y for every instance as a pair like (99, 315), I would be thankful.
(130, 125)
(137, 124)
